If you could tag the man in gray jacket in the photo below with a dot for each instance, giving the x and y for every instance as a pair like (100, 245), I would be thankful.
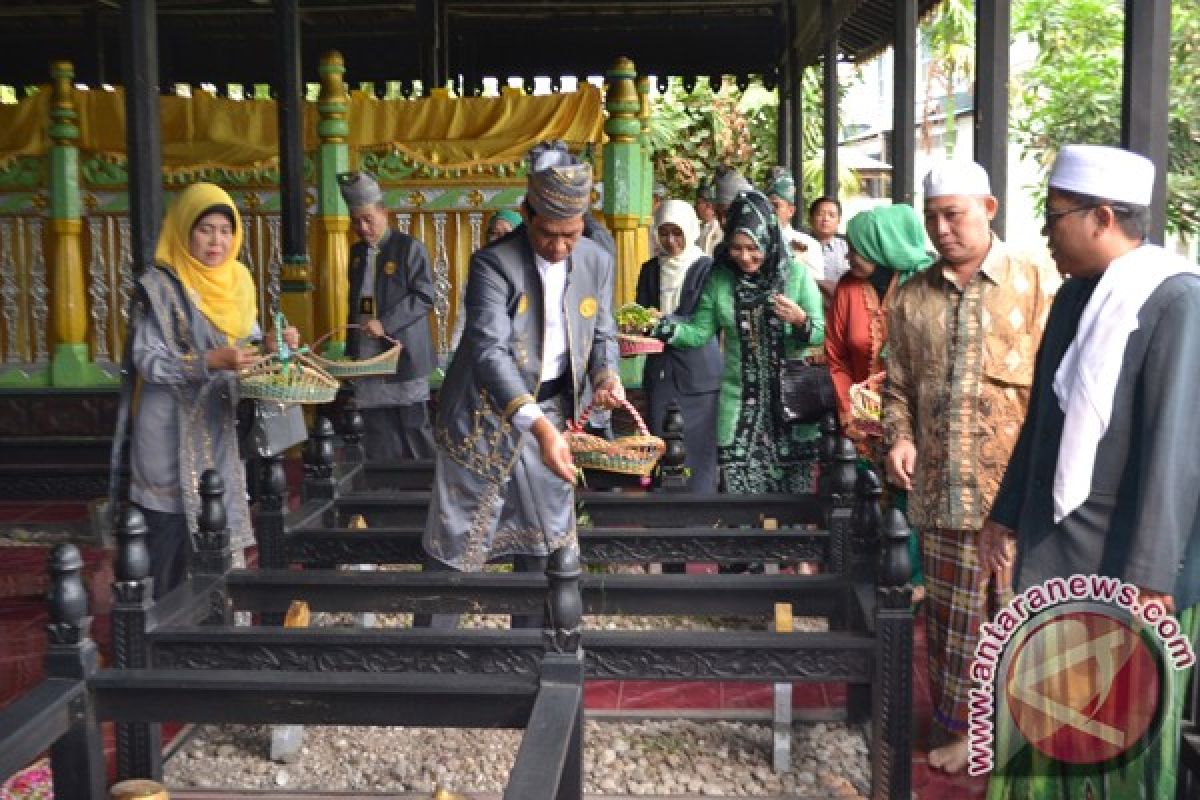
(539, 324)
(391, 294)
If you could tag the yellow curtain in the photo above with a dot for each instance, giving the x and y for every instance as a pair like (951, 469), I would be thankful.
(209, 131)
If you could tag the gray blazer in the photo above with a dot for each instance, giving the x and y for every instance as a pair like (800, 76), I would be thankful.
(403, 297)
(497, 366)
(1141, 521)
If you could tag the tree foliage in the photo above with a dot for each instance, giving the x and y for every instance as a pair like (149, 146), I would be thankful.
(949, 33)
(1071, 93)
(692, 133)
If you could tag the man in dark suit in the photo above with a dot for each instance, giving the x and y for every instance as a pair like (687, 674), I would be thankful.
(1104, 476)
(391, 293)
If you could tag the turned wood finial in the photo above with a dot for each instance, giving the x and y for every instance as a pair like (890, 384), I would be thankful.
(565, 600)
(133, 558)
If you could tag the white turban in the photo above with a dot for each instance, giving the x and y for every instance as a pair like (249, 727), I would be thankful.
(1106, 172)
(957, 178)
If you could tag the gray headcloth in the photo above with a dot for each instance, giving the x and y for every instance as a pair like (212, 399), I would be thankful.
(359, 189)
(560, 185)
(729, 182)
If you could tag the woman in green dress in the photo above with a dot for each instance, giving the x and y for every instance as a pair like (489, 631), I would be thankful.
(767, 307)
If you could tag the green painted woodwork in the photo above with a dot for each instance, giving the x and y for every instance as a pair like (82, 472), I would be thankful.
(70, 367)
(64, 183)
(332, 158)
(23, 172)
(622, 179)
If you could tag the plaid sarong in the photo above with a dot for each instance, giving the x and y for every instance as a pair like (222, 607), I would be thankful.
(954, 610)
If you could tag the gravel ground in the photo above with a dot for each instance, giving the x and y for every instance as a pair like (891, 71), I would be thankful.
(665, 758)
(651, 758)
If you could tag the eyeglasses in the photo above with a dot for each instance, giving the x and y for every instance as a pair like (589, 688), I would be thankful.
(1052, 217)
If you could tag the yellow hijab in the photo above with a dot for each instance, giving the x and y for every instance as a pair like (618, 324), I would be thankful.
(225, 293)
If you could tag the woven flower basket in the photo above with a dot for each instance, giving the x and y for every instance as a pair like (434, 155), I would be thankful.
(632, 345)
(298, 380)
(629, 455)
(866, 409)
(380, 364)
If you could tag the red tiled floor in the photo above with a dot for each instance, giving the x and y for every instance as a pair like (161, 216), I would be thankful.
(746, 695)
(602, 695)
(57, 512)
(670, 695)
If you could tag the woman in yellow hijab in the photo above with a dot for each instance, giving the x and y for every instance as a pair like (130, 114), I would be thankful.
(192, 326)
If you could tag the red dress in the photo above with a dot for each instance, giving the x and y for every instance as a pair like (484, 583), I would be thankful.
(855, 333)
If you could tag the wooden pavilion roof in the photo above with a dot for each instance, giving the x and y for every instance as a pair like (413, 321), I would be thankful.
(234, 41)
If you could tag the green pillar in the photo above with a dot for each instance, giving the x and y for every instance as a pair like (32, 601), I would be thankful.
(647, 197)
(624, 168)
(331, 246)
(70, 364)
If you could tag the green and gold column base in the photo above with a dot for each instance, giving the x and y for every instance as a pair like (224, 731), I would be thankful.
(334, 349)
(71, 368)
(24, 378)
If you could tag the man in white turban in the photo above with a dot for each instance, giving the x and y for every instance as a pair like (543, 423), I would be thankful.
(1105, 474)
(539, 325)
(961, 340)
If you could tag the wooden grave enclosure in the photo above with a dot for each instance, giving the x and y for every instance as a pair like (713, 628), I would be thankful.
(182, 659)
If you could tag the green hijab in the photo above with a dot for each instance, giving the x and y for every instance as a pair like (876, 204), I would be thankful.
(892, 237)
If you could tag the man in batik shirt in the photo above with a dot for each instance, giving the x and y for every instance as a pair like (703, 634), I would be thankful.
(961, 347)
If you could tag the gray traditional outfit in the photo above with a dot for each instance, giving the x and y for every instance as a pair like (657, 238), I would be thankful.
(184, 422)
(391, 281)
(534, 333)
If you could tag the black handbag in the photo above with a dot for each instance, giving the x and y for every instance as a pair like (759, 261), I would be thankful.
(806, 392)
(274, 427)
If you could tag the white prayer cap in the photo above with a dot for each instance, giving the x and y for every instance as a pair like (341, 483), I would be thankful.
(1106, 172)
(957, 178)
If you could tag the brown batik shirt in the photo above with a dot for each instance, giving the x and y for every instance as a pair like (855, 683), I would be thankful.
(960, 368)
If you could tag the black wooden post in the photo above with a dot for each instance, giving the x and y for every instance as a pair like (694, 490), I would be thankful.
(142, 133)
(842, 480)
(904, 93)
(992, 23)
(272, 507)
(564, 662)
(290, 97)
(826, 449)
(829, 89)
(891, 769)
(318, 462)
(1144, 110)
(564, 601)
(78, 756)
(430, 21)
(783, 129)
(672, 474)
(795, 90)
(353, 426)
(213, 556)
(139, 745)
(867, 515)
(269, 528)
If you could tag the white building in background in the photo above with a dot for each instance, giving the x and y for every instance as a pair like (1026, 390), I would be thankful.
(867, 129)
(866, 116)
